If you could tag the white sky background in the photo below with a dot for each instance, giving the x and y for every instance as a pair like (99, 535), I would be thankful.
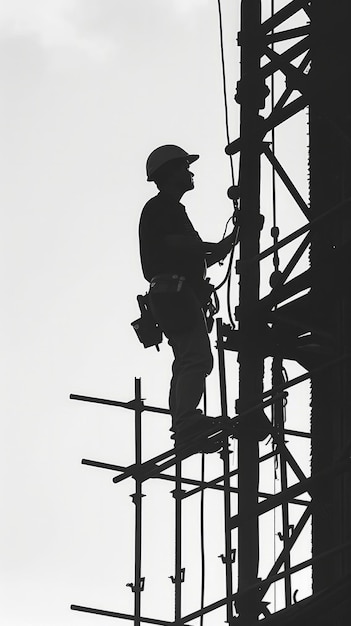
(89, 88)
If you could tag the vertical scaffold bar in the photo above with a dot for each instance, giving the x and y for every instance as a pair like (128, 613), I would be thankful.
(250, 95)
(226, 481)
(137, 499)
(178, 579)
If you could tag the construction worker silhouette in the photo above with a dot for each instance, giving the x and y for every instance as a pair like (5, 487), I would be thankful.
(174, 260)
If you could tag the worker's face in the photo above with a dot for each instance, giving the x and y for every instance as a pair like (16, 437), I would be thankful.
(183, 177)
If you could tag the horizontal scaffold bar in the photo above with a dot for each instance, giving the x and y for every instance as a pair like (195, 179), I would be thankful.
(146, 620)
(152, 467)
(199, 485)
(131, 405)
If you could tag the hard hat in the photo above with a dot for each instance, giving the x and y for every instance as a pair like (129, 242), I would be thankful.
(162, 155)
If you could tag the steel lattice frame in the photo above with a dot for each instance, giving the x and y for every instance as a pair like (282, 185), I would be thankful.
(313, 328)
(285, 323)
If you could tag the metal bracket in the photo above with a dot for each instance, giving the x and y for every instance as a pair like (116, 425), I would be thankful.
(135, 405)
(134, 587)
(136, 498)
(223, 453)
(182, 576)
(290, 528)
(231, 558)
(178, 493)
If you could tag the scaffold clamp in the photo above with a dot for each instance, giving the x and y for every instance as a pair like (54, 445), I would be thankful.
(140, 587)
(178, 493)
(290, 530)
(136, 497)
(182, 576)
(230, 558)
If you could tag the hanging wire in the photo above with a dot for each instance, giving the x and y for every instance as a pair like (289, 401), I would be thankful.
(225, 98)
(226, 226)
(227, 278)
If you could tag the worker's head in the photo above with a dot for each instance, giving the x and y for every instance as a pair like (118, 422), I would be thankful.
(168, 167)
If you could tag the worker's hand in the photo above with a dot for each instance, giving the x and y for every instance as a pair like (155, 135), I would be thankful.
(225, 245)
(218, 251)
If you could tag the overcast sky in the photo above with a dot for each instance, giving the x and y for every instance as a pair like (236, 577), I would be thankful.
(89, 88)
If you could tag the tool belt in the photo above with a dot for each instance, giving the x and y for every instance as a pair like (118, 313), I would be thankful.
(175, 305)
(171, 305)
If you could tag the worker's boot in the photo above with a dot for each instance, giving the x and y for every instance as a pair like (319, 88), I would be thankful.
(191, 428)
(255, 425)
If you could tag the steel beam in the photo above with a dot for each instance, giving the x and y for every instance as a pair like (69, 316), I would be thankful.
(251, 96)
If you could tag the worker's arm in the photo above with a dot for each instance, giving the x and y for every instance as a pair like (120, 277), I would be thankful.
(212, 252)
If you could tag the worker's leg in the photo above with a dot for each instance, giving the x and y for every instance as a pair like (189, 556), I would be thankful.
(193, 361)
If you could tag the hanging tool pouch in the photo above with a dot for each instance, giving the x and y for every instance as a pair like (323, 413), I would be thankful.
(146, 328)
(173, 303)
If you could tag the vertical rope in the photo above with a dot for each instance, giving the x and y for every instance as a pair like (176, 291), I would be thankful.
(225, 98)
(226, 116)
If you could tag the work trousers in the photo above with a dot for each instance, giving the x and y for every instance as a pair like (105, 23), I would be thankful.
(193, 361)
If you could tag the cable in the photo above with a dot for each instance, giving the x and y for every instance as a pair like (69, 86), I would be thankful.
(226, 226)
(225, 87)
(230, 262)
(227, 278)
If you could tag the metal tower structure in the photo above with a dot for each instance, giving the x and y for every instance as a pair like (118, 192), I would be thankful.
(296, 319)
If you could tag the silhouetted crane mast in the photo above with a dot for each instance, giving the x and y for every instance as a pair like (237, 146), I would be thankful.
(303, 317)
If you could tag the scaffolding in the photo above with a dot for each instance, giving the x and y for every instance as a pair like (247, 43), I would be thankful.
(298, 319)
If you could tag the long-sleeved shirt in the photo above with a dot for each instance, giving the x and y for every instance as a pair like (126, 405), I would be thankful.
(169, 243)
